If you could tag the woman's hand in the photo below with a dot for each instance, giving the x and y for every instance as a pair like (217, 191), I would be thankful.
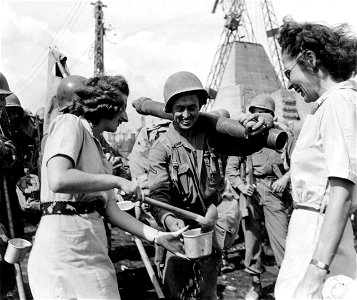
(310, 287)
(172, 241)
(131, 189)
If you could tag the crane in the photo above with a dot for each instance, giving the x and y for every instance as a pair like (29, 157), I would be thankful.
(238, 27)
(235, 29)
(271, 27)
(290, 111)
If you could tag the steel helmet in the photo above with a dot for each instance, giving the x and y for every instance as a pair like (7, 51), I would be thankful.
(183, 82)
(66, 90)
(262, 101)
(4, 86)
(12, 101)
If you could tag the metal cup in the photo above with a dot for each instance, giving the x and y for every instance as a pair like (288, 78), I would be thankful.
(16, 250)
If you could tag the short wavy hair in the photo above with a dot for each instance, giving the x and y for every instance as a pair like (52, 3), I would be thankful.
(335, 47)
(100, 97)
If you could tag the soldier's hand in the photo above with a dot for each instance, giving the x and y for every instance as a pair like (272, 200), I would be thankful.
(247, 189)
(145, 187)
(173, 224)
(3, 236)
(279, 185)
(3, 241)
(29, 183)
(257, 123)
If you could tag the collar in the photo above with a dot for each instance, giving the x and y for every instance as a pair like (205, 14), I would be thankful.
(87, 126)
(196, 139)
(349, 84)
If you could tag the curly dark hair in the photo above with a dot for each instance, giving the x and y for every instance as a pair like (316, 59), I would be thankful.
(335, 47)
(100, 97)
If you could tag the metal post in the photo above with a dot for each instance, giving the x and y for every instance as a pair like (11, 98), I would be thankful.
(19, 281)
(98, 39)
(149, 269)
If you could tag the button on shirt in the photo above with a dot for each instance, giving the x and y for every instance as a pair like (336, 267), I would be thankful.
(326, 146)
(72, 137)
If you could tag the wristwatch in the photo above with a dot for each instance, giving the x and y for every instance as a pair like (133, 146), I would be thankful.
(320, 265)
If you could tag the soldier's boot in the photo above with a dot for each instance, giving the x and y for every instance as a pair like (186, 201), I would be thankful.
(256, 291)
(226, 265)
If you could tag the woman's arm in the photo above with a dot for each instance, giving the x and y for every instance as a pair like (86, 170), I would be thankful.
(63, 178)
(333, 226)
(171, 241)
(337, 213)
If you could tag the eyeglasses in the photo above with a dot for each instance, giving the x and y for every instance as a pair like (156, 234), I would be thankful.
(293, 64)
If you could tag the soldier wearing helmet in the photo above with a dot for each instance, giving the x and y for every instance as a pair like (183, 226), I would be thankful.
(261, 184)
(185, 170)
(9, 168)
(14, 110)
(262, 101)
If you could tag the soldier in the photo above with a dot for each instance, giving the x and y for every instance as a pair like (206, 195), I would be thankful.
(139, 168)
(262, 197)
(25, 136)
(185, 171)
(139, 164)
(8, 198)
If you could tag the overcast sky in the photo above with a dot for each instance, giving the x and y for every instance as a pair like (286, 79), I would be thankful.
(148, 41)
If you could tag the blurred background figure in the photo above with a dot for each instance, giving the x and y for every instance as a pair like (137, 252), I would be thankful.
(11, 218)
(260, 183)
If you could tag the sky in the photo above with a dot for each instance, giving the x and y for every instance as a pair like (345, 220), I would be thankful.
(146, 40)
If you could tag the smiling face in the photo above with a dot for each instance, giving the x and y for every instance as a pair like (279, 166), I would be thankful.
(185, 111)
(301, 80)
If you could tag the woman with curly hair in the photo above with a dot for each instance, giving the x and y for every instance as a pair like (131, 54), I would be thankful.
(319, 62)
(69, 259)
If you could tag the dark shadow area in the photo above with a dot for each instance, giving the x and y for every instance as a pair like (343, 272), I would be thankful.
(268, 292)
(129, 252)
(135, 284)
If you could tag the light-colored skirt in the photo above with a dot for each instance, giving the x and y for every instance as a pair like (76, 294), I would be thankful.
(69, 259)
(303, 234)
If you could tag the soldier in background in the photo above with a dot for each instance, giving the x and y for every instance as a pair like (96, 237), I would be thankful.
(139, 168)
(26, 136)
(260, 182)
(8, 155)
(139, 164)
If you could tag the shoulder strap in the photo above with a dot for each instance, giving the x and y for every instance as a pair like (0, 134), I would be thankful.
(250, 170)
(277, 171)
(178, 149)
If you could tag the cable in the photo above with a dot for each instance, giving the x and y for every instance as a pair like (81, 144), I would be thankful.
(39, 61)
(78, 59)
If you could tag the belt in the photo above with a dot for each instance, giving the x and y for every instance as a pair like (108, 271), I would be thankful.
(71, 208)
(268, 177)
(310, 208)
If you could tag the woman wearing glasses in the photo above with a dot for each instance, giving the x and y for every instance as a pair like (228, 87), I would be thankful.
(319, 61)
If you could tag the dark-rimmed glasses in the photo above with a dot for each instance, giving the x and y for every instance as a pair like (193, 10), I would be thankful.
(293, 64)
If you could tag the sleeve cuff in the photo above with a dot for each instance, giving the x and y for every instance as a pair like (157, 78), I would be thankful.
(163, 217)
